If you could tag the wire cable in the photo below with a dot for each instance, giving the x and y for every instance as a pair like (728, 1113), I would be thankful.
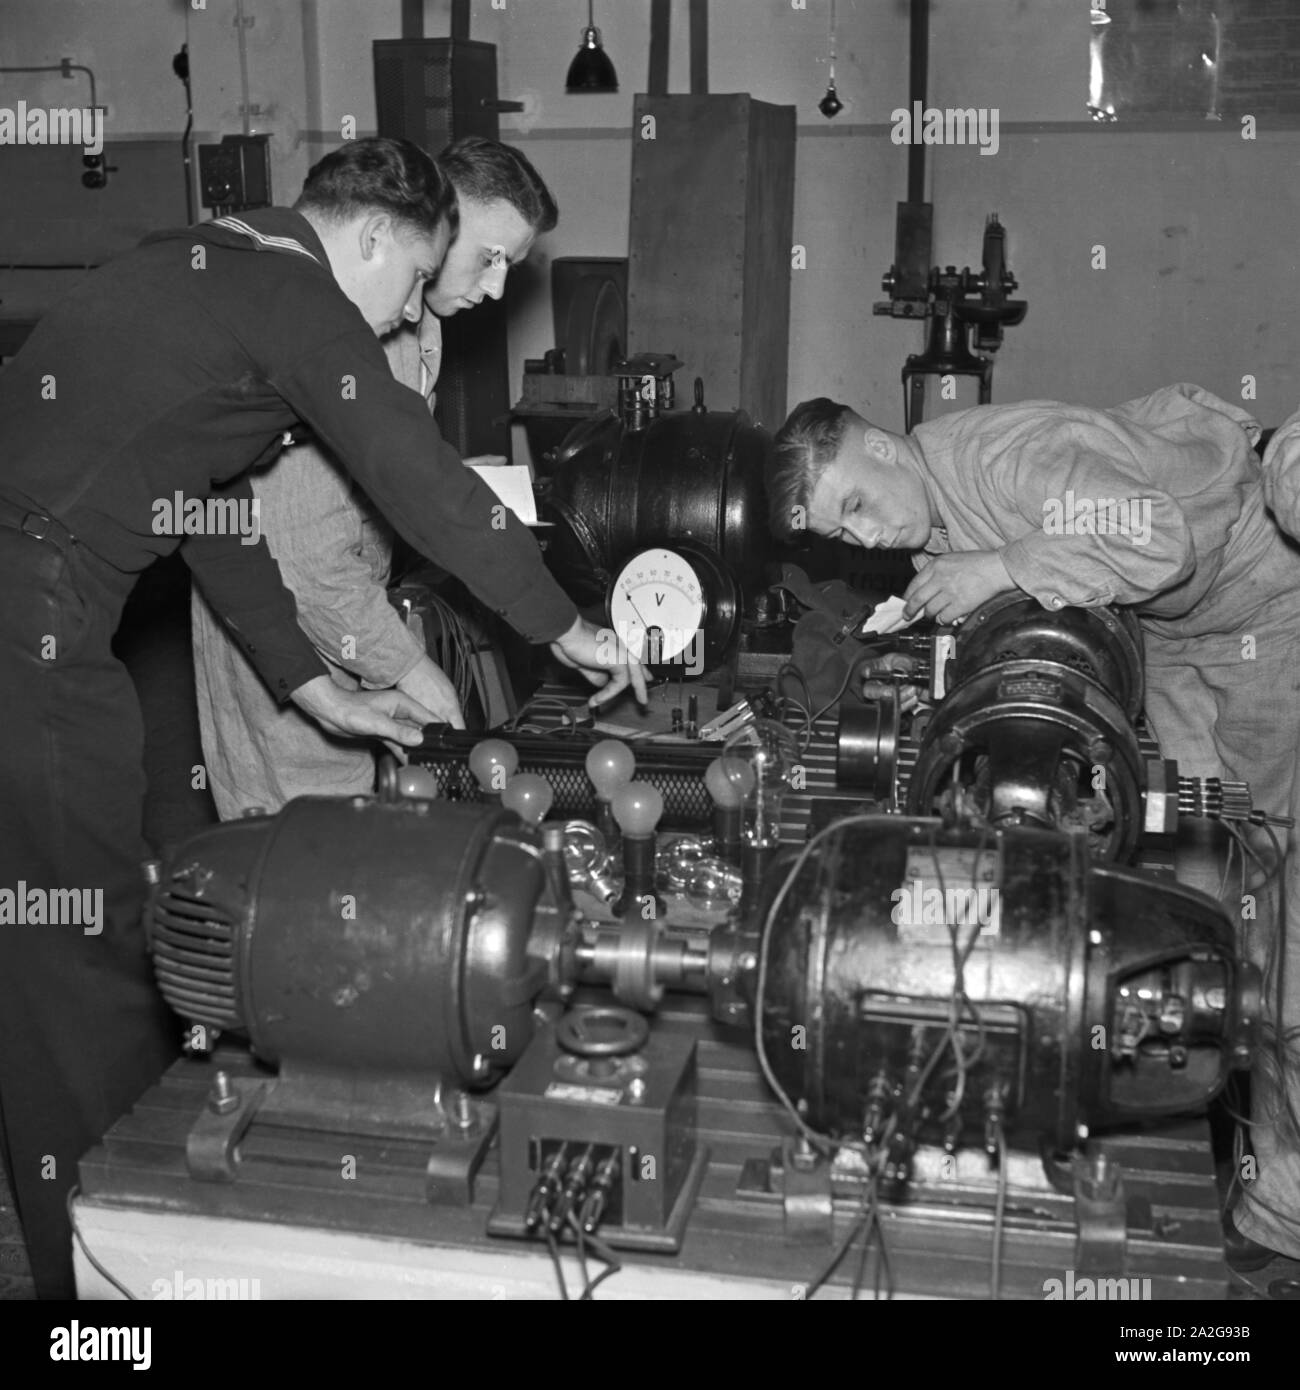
(85, 1249)
(602, 1252)
(555, 1261)
(999, 1219)
(864, 1219)
(804, 705)
(580, 1239)
(1279, 1027)
(822, 1142)
(884, 1265)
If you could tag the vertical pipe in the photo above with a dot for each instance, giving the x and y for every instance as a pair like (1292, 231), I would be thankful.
(240, 22)
(460, 19)
(313, 68)
(699, 46)
(918, 73)
(660, 15)
(412, 19)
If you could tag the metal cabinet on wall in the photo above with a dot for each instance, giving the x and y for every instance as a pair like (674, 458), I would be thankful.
(434, 91)
(710, 243)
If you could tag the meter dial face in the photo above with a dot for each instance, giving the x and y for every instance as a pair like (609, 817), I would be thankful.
(657, 605)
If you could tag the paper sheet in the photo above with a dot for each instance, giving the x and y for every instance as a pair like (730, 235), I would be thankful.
(888, 617)
(513, 484)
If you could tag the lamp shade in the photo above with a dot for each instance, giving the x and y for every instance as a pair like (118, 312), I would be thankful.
(591, 70)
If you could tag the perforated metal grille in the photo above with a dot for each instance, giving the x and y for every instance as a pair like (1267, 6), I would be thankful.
(687, 804)
(193, 953)
(677, 773)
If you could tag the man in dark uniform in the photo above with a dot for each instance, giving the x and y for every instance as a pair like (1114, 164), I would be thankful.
(157, 385)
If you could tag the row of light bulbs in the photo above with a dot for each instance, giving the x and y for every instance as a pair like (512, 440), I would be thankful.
(751, 773)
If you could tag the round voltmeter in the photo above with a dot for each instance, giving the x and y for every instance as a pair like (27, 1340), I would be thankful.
(675, 607)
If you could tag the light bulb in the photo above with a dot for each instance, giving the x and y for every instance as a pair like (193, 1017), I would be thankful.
(637, 808)
(610, 765)
(493, 763)
(529, 796)
(729, 782)
(417, 781)
(768, 752)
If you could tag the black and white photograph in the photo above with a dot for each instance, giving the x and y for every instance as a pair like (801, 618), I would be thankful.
(649, 652)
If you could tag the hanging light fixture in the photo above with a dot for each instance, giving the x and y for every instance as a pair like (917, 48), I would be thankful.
(591, 70)
(830, 105)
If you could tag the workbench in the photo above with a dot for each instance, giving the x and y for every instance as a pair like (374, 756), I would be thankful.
(293, 1224)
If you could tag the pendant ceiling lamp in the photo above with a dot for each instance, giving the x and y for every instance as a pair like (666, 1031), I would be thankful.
(591, 70)
(830, 105)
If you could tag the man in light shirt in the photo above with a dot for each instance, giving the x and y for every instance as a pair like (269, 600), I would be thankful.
(1158, 504)
(334, 548)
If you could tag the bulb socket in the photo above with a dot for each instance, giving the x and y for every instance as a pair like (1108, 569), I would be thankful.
(727, 823)
(607, 825)
(638, 876)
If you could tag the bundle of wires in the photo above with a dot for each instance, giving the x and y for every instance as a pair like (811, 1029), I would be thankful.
(450, 646)
(1279, 1059)
(789, 670)
(868, 1217)
(567, 711)
(585, 1243)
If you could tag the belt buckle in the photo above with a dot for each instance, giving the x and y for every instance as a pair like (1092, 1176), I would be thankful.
(45, 522)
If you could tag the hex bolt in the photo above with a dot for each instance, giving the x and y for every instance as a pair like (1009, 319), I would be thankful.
(222, 1098)
(463, 1112)
(803, 1157)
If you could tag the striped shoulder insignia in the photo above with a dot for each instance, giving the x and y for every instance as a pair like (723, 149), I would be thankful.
(264, 242)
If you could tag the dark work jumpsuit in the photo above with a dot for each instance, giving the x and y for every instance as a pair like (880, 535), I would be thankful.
(177, 367)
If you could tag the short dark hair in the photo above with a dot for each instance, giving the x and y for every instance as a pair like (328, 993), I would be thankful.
(486, 171)
(380, 174)
(805, 446)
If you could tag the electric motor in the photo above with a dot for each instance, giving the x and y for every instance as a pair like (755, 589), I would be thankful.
(360, 934)
(940, 985)
(1036, 725)
(690, 475)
